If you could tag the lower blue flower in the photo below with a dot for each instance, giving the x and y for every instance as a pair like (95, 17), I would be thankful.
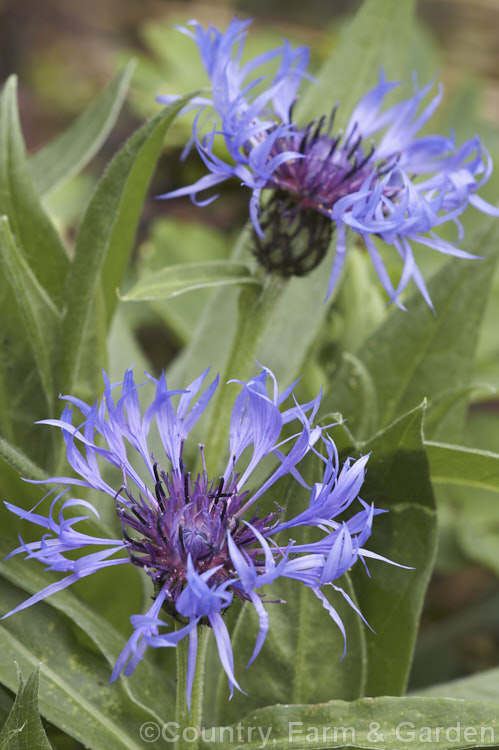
(200, 540)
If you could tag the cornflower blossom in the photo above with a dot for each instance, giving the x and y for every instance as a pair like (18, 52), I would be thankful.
(400, 188)
(189, 534)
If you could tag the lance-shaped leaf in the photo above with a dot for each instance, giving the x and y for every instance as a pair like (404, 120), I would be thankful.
(31, 226)
(23, 729)
(174, 280)
(106, 234)
(71, 151)
(397, 480)
(367, 724)
(37, 310)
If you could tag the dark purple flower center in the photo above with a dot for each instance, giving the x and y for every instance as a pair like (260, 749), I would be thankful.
(188, 519)
(296, 219)
(329, 169)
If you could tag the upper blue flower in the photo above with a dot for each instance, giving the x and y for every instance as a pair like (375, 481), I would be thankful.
(400, 188)
(200, 540)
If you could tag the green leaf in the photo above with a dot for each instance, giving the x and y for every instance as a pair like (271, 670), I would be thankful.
(6, 703)
(379, 35)
(23, 729)
(397, 480)
(364, 394)
(454, 464)
(23, 399)
(32, 228)
(175, 280)
(39, 314)
(106, 234)
(368, 724)
(416, 354)
(479, 687)
(71, 151)
(93, 356)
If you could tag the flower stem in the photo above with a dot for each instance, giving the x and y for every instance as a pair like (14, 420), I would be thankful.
(194, 719)
(255, 308)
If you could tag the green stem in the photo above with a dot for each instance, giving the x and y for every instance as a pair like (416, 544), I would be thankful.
(195, 717)
(255, 309)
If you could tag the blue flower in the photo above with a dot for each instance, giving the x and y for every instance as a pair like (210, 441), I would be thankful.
(200, 539)
(400, 189)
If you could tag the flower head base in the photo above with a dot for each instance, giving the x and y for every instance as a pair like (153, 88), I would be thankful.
(294, 241)
(398, 189)
(201, 541)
